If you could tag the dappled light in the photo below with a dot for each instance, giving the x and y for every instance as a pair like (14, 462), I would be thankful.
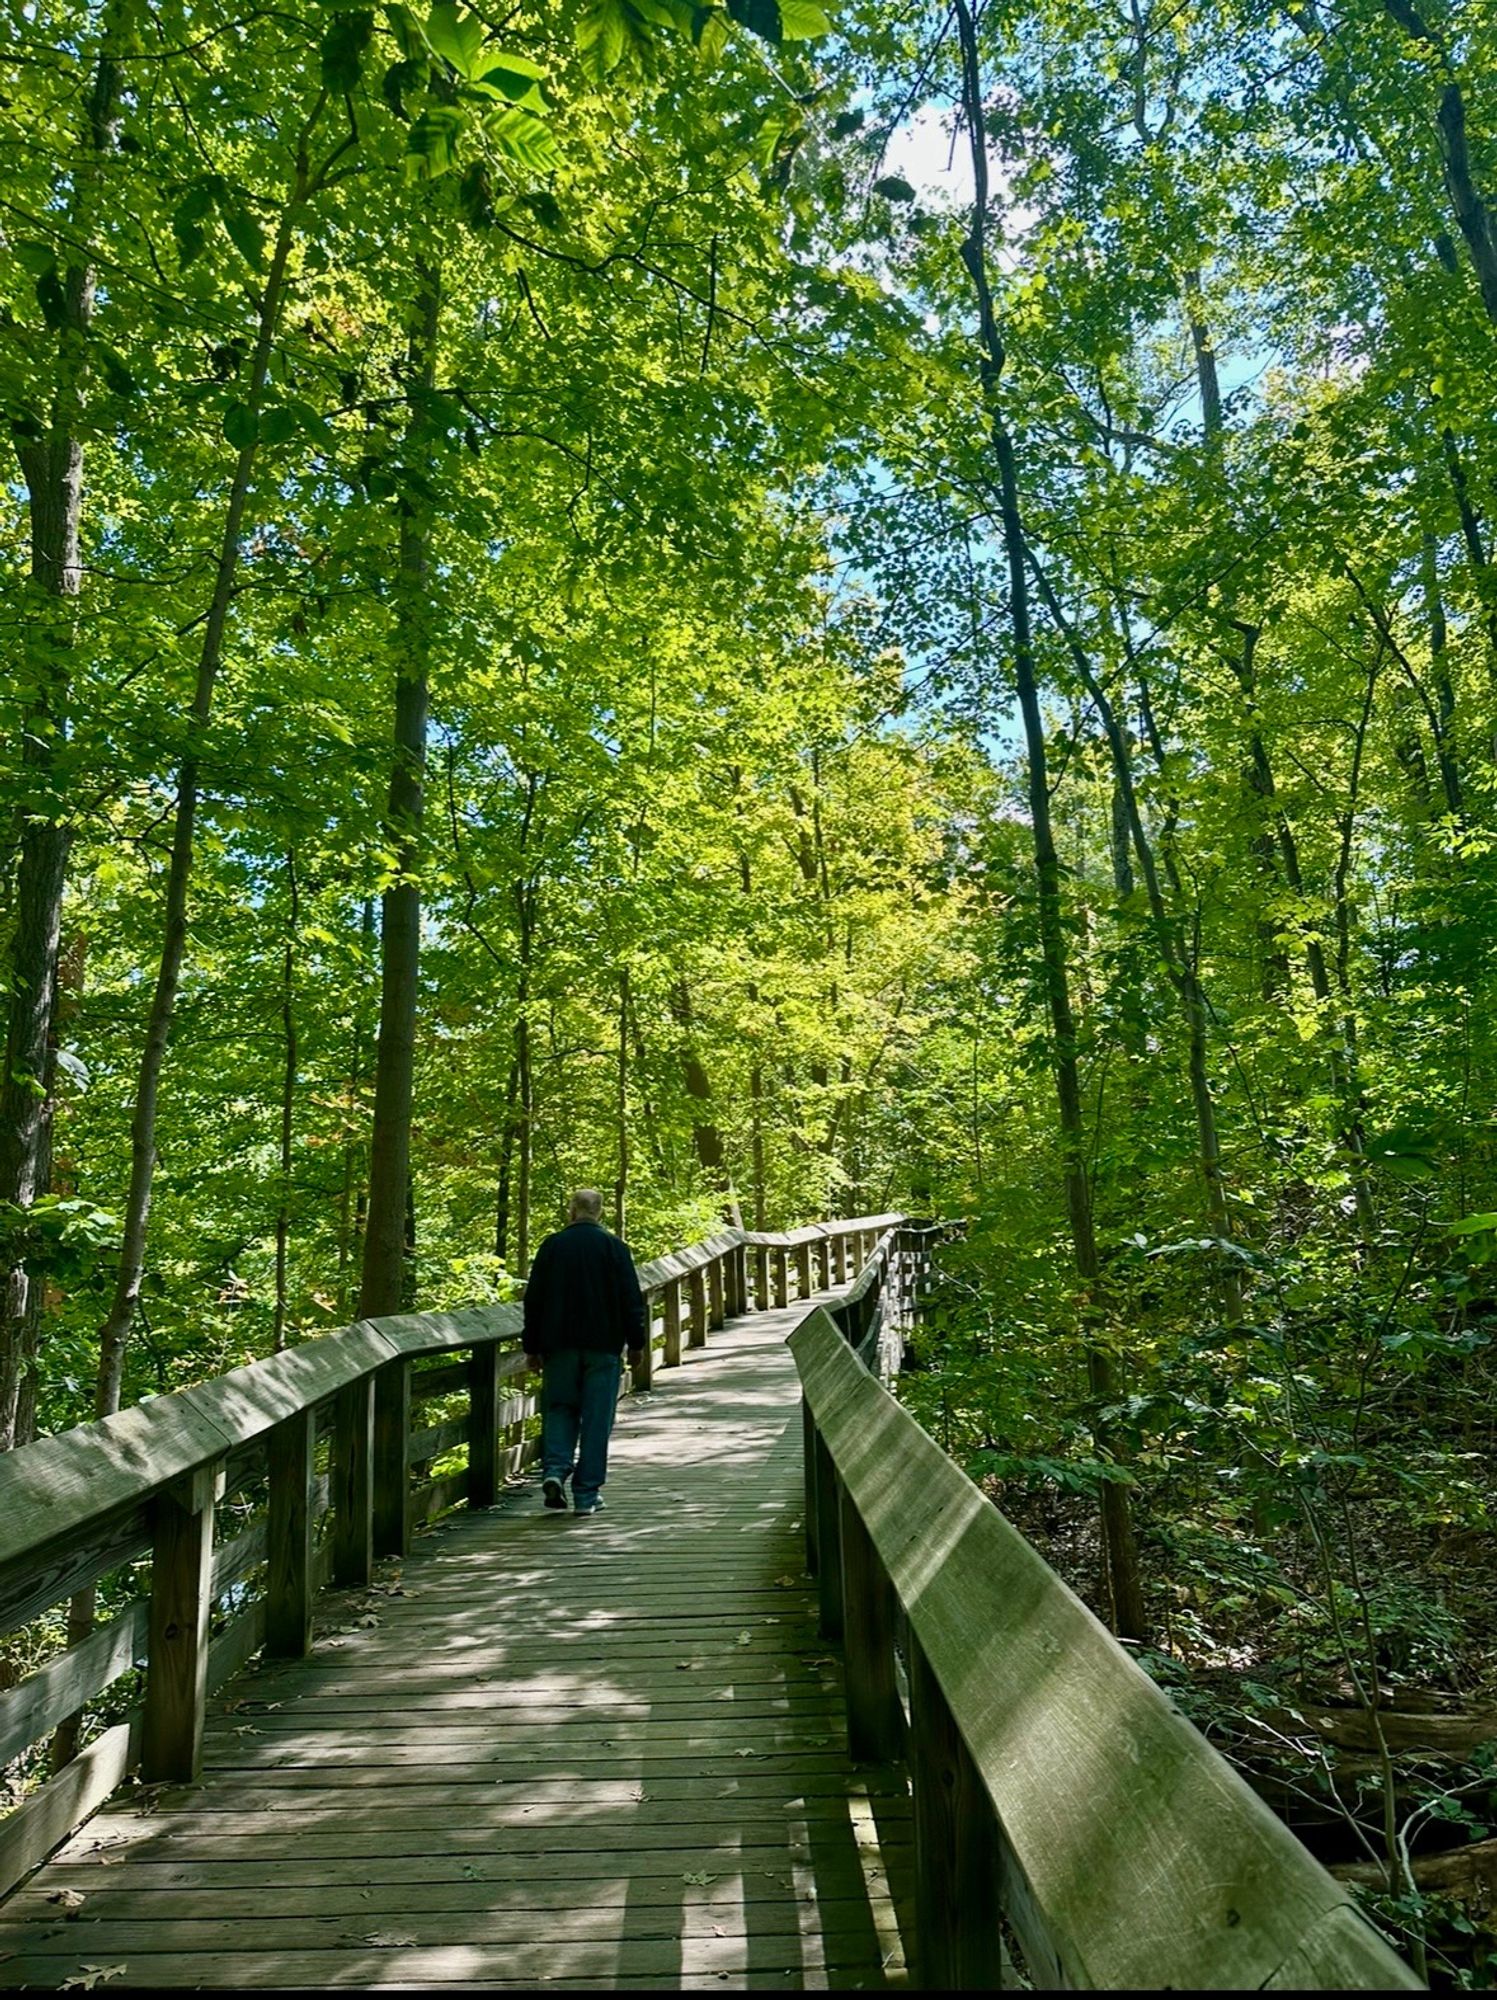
(606, 1752)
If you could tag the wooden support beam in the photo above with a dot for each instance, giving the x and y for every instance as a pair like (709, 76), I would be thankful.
(803, 1270)
(875, 1719)
(958, 1860)
(670, 1314)
(808, 1467)
(352, 1479)
(289, 1586)
(483, 1425)
(828, 1542)
(781, 1277)
(181, 1599)
(824, 1264)
(716, 1294)
(392, 1425)
(642, 1372)
(740, 1280)
(697, 1289)
(761, 1278)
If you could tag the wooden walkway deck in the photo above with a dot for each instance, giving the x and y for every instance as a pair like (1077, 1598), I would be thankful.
(603, 1753)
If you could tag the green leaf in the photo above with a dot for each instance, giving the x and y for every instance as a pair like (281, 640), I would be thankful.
(406, 30)
(1472, 1225)
(277, 424)
(523, 137)
(455, 35)
(343, 48)
(241, 427)
(401, 77)
(709, 30)
(514, 77)
(894, 187)
(801, 22)
(760, 17)
(243, 231)
(113, 368)
(431, 143)
(37, 258)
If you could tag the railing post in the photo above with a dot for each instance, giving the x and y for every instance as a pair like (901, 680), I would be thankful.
(176, 1700)
(839, 1258)
(670, 1320)
(734, 1271)
(288, 1583)
(697, 1288)
(875, 1720)
(828, 1542)
(958, 1875)
(642, 1372)
(392, 1429)
(483, 1424)
(761, 1278)
(352, 1482)
(803, 1270)
(808, 1466)
(716, 1300)
(781, 1277)
(824, 1264)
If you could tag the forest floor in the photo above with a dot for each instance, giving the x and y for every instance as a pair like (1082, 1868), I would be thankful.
(1262, 1672)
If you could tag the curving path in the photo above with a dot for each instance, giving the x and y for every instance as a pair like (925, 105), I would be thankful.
(546, 1751)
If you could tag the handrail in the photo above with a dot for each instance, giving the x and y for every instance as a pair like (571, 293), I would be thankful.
(147, 1483)
(1054, 1785)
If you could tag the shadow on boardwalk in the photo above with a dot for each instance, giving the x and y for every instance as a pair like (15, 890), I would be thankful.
(591, 1753)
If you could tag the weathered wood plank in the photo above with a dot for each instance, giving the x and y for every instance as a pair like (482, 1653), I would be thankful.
(1189, 1880)
(351, 1483)
(288, 1582)
(28, 1835)
(59, 1689)
(177, 1644)
(483, 1427)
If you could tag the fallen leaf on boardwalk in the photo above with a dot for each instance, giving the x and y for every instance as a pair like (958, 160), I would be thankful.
(640, 1795)
(746, 1753)
(689, 1666)
(246, 1729)
(111, 1860)
(364, 1624)
(791, 1803)
(787, 1582)
(699, 1876)
(391, 1939)
(718, 1931)
(745, 1637)
(469, 1872)
(90, 1976)
(67, 1899)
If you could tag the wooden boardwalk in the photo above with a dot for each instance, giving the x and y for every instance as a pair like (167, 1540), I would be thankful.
(548, 1752)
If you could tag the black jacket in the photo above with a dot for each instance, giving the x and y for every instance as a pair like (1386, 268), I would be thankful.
(582, 1292)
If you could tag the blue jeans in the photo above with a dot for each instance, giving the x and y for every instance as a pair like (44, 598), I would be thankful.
(579, 1392)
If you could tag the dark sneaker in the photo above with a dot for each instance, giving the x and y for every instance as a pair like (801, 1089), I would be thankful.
(552, 1495)
(587, 1507)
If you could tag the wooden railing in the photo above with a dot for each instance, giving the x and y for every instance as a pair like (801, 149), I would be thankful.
(222, 1489)
(1056, 1791)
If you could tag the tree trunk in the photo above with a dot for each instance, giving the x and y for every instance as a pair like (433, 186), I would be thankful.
(52, 469)
(351, 1197)
(621, 1111)
(1117, 1524)
(116, 1328)
(383, 1283)
(288, 1099)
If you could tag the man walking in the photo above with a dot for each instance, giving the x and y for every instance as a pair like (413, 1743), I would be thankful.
(583, 1306)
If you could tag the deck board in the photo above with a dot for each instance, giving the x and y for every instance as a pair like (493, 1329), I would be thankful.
(587, 1754)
